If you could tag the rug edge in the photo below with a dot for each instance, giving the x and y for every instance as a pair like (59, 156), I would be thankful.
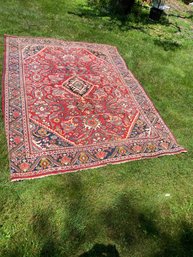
(3, 78)
(59, 39)
(53, 173)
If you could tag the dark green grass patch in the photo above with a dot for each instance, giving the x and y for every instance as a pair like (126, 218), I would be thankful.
(139, 209)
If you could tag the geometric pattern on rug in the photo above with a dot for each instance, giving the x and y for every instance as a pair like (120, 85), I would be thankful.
(71, 106)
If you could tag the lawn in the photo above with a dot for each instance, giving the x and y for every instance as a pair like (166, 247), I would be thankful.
(142, 208)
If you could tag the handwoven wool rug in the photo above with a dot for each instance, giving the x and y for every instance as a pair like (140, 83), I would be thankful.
(71, 106)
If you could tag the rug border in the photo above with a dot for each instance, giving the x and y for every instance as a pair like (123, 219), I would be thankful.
(59, 39)
(3, 78)
(52, 173)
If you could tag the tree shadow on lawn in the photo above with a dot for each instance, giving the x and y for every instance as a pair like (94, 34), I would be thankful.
(167, 45)
(44, 232)
(126, 227)
(101, 250)
(137, 19)
(74, 230)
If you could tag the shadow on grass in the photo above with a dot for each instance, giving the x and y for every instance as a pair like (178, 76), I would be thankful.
(181, 16)
(100, 250)
(167, 45)
(77, 204)
(136, 19)
(125, 225)
(177, 247)
(44, 232)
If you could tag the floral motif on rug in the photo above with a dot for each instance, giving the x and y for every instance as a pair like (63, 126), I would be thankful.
(71, 106)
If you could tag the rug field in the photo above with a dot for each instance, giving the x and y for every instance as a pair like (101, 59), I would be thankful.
(72, 106)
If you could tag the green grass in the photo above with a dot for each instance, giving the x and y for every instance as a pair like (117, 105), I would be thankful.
(123, 205)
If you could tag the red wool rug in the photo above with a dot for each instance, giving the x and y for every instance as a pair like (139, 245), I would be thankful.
(71, 106)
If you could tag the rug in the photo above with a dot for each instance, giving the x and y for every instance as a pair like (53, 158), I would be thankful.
(72, 106)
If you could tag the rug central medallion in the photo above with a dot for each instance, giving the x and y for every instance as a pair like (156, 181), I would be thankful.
(77, 86)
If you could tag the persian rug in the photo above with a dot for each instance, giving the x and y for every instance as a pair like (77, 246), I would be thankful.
(71, 106)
